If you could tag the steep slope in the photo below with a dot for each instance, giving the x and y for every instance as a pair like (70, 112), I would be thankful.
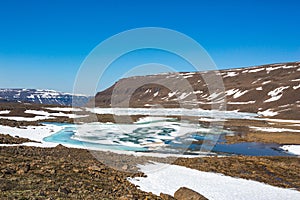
(42, 97)
(270, 90)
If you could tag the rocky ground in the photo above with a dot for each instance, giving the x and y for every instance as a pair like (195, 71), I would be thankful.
(245, 134)
(67, 173)
(61, 173)
(7, 139)
(277, 171)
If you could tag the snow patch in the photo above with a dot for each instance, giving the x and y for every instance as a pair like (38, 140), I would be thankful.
(230, 74)
(37, 112)
(41, 115)
(183, 95)
(296, 87)
(256, 80)
(171, 94)
(239, 93)
(266, 82)
(256, 70)
(276, 94)
(164, 178)
(156, 93)
(238, 103)
(4, 112)
(294, 149)
(187, 76)
(64, 109)
(27, 119)
(268, 69)
(231, 92)
(272, 129)
(294, 122)
(288, 67)
(213, 96)
(267, 113)
(296, 80)
(198, 92)
(35, 133)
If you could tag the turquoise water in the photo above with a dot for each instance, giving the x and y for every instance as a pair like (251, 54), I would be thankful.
(65, 137)
(192, 143)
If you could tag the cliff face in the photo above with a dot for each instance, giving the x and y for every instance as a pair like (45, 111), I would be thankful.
(270, 90)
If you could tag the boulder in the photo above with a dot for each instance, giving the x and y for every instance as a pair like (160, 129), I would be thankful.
(184, 193)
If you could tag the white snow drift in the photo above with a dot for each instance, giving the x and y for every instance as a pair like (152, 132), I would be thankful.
(163, 178)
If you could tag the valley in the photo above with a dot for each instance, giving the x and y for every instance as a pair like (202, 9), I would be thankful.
(248, 130)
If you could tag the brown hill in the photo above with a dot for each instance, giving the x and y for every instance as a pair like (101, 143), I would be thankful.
(271, 90)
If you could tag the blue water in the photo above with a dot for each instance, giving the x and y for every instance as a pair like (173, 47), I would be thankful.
(251, 149)
(178, 145)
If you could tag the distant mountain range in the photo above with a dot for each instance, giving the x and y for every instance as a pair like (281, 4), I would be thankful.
(271, 90)
(42, 97)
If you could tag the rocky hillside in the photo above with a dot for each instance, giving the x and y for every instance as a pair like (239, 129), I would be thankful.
(270, 90)
(42, 97)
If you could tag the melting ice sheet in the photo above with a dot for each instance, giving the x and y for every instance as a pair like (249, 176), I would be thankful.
(148, 134)
(157, 135)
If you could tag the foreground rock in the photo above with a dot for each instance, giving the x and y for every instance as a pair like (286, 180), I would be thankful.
(67, 173)
(7, 139)
(184, 193)
(166, 197)
(62, 173)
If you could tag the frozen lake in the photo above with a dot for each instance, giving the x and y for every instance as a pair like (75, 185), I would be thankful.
(158, 135)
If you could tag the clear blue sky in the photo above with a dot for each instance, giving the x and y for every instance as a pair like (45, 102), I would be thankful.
(43, 42)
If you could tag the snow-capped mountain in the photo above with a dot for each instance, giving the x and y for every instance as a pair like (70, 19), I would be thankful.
(270, 90)
(43, 97)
